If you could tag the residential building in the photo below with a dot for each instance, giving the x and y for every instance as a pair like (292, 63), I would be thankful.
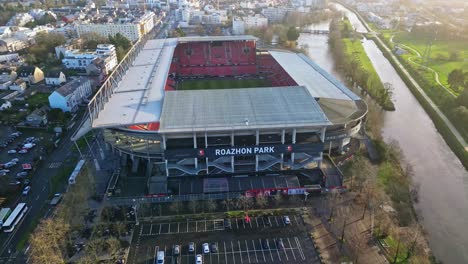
(238, 26)
(12, 44)
(18, 85)
(79, 60)
(5, 105)
(276, 14)
(38, 117)
(108, 53)
(20, 19)
(5, 32)
(30, 74)
(70, 95)
(55, 78)
(131, 30)
(255, 21)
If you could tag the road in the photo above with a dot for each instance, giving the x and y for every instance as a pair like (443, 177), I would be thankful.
(37, 198)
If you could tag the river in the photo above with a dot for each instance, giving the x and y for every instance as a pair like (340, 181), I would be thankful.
(442, 179)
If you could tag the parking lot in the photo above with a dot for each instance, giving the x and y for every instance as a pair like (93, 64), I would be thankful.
(254, 242)
(151, 229)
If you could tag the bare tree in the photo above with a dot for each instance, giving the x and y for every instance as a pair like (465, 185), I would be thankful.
(244, 202)
(261, 201)
(193, 206)
(210, 205)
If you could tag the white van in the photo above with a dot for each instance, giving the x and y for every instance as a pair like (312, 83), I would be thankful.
(160, 257)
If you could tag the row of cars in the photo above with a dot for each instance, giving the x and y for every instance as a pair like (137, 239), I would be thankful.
(25, 147)
(10, 139)
(213, 248)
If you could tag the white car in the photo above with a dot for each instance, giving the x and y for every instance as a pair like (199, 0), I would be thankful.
(23, 151)
(4, 171)
(9, 164)
(26, 190)
(198, 259)
(286, 220)
(15, 160)
(206, 248)
(12, 151)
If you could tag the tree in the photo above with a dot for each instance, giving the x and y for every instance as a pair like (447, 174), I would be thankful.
(91, 40)
(210, 205)
(244, 202)
(261, 201)
(456, 79)
(175, 206)
(292, 34)
(462, 99)
(193, 206)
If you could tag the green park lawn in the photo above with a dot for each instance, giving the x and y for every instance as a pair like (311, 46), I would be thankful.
(221, 84)
(440, 54)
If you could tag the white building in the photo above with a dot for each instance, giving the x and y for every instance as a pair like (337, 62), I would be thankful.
(55, 78)
(276, 14)
(238, 26)
(107, 51)
(132, 31)
(18, 85)
(20, 19)
(70, 95)
(255, 21)
(79, 60)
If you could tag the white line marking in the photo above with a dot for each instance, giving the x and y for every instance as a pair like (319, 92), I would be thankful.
(247, 247)
(225, 252)
(233, 253)
(240, 251)
(277, 251)
(261, 246)
(292, 249)
(276, 219)
(160, 226)
(300, 248)
(255, 250)
(269, 248)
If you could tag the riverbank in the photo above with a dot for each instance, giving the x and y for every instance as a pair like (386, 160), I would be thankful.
(353, 62)
(448, 131)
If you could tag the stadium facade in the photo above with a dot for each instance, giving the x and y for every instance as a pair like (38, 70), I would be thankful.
(300, 112)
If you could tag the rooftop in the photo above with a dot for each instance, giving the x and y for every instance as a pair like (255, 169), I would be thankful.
(216, 38)
(245, 108)
(68, 88)
(138, 97)
(305, 72)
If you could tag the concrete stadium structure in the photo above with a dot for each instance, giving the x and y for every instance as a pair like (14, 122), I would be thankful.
(286, 126)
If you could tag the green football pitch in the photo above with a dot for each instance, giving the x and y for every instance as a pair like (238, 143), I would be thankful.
(221, 84)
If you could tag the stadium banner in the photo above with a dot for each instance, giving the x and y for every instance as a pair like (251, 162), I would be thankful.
(216, 152)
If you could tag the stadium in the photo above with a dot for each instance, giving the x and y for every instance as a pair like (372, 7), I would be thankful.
(218, 105)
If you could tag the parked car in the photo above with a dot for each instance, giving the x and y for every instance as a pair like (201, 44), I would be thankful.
(16, 134)
(23, 151)
(9, 164)
(15, 160)
(286, 220)
(206, 248)
(198, 259)
(280, 244)
(26, 190)
(22, 174)
(12, 151)
(214, 248)
(227, 223)
(160, 257)
(4, 171)
(15, 183)
(176, 250)
(265, 244)
(26, 182)
(191, 247)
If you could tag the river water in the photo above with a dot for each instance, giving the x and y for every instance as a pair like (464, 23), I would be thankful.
(442, 179)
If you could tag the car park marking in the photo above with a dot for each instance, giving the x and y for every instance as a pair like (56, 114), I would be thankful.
(292, 250)
(240, 251)
(276, 247)
(233, 254)
(247, 247)
(269, 248)
(225, 252)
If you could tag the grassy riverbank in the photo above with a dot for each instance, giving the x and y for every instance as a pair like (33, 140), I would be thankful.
(352, 60)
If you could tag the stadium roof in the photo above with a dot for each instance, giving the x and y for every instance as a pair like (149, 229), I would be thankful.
(245, 108)
(138, 97)
(215, 38)
(305, 72)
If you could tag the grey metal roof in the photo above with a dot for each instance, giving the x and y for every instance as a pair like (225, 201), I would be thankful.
(139, 96)
(215, 38)
(245, 108)
(305, 72)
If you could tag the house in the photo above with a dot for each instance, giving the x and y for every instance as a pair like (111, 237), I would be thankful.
(38, 117)
(70, 95)
(30, 74)
(18, 85)
(5, 105)
(55, 78)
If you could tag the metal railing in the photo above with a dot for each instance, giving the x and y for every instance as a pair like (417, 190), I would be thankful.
(117, 201)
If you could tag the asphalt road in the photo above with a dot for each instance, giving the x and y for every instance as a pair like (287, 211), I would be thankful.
(38, 196)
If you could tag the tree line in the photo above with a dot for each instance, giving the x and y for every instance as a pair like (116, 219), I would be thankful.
(352, 66)
(458, 112)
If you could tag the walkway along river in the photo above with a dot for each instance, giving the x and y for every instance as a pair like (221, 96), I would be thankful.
(443, 181)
